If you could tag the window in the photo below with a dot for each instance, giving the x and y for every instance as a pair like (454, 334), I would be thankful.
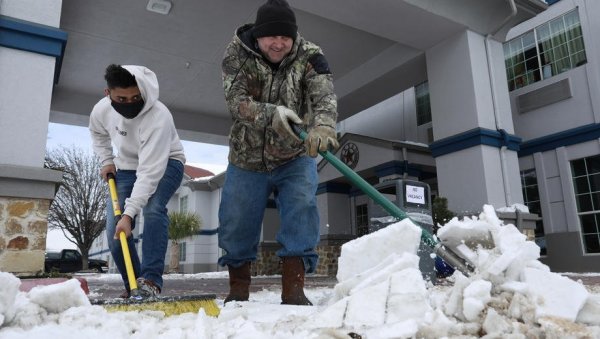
(72, 255)
(549, 49)
(362, 220)
(586, 181)
(422, 102)
(53, 255)
(182, 251)
(531, 197)
(183, 204)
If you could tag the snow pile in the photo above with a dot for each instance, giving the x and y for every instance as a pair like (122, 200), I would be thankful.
(511, 292)
(381, 294)
(512, 266)
(8, 291)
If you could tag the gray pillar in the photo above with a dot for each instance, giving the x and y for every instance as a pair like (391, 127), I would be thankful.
(30, 52)
(474, 148)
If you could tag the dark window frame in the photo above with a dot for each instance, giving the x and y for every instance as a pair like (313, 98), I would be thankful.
(587, 201)
(531, 199)
(547, 50)
(422, 103)
(362, 219)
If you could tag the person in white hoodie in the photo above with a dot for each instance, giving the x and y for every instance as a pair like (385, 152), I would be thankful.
(148, 168)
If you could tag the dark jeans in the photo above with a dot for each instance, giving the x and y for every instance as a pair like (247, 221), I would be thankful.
(156, 224)
(244, 199)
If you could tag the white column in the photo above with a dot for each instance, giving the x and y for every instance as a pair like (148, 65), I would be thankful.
(28, 55)
(26, 88)
(470, 105)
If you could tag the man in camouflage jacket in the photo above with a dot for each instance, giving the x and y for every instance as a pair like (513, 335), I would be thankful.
(272, 76)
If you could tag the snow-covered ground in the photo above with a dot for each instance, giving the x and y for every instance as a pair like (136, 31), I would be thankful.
(380, 294)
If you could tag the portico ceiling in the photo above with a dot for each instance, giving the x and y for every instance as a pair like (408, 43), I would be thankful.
(375, 49)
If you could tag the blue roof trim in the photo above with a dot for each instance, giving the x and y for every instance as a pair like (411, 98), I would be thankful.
(475, 137)
(98, 253)
(200, 232)
(398, 167)
(208, 232)
(382, 170)
(565, 138)
(356, 192)
(34, 37)
(333, 187)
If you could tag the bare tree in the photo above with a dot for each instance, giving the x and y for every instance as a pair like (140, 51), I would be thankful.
(79, 208)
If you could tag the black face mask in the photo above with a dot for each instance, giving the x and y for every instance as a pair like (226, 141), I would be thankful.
(128, 110)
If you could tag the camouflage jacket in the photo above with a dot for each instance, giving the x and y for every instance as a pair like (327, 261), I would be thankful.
(302, 83)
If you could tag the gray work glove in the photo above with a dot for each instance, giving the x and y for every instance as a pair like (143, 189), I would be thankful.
(320, 138)
(281, 121)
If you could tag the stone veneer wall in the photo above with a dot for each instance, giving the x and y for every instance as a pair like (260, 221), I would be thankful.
(23, 229)
(328, 259)
(329, 249)
(267, 262)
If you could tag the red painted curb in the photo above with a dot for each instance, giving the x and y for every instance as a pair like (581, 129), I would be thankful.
(28, 284)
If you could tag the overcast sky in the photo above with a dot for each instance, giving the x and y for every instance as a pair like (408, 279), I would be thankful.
(206, 156)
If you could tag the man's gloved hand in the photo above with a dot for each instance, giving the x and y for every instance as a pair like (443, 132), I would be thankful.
(281, 123)
(319, 138)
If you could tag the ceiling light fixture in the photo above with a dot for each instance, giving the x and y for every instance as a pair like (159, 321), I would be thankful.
(159, 6)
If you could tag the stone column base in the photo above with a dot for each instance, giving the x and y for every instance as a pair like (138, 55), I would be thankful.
(23, 229)
(25, 197)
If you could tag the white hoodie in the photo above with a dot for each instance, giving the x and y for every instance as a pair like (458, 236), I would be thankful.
(144, 143)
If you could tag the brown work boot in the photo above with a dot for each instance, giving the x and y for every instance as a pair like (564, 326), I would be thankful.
(239, 283)
(292, 282)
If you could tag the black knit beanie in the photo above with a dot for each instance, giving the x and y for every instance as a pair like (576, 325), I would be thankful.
(275, 18)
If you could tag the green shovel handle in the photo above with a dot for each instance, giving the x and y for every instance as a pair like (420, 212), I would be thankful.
(449, 257)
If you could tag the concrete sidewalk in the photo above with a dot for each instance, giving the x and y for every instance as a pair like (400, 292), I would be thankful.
(176, 285)
(104, 286)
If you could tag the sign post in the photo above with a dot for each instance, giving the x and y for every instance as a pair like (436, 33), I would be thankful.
(414, 198)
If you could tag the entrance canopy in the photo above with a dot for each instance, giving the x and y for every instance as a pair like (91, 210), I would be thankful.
(375, 49)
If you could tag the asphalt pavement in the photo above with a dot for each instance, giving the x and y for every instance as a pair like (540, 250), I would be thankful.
(176, 285)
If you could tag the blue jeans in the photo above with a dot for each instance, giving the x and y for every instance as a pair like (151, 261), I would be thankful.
(243, 203)
(156, 224)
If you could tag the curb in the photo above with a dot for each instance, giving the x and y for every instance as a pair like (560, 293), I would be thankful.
(28, 284)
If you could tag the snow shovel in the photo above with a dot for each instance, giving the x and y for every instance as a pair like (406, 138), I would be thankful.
(446, 254)
(168, 305)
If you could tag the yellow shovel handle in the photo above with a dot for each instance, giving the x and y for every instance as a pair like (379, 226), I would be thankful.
(122, 237)
(113, 195)
(127, 257)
